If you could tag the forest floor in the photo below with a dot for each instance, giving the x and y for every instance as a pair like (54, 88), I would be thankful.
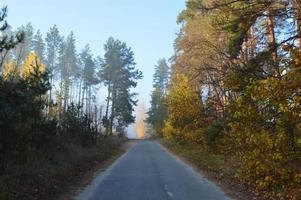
(220, 169)
(61, 177)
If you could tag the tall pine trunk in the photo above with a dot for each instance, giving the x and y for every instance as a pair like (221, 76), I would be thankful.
(107, 109)
(297, 7)
(50, 95)
(50, 90)
(271, 36)
(272, 44)
(70, 96)
(79, 92)
(299, 32)
(66, 92)
(83, 98)
(100, 118)
(112, 111)
(87, 99)
(60, 99)
(90, 96)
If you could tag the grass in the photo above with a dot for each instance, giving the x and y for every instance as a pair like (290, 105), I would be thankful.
(202, 157)
(48, 179)
(222, 168)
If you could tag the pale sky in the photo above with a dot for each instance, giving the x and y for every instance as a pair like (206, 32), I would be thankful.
(148, 26)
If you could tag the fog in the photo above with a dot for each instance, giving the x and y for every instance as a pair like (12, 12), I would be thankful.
(138, 129)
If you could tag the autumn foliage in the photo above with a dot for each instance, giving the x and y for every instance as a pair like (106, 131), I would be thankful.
(235, 86)
(185, 111)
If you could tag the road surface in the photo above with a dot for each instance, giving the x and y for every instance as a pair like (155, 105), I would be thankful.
(149, 172)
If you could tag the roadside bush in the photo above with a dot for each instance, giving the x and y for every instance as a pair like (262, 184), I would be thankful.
(22, 125)
(27, 133)
(266, 131)
(212, 132)
(185, 112)
(76, 127)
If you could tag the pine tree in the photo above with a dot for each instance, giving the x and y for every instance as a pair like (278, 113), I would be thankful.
(32, 65)
(88, 76)
(119, 75)
(7, 41)
(68, 68)
(10, 70)
(53, 43)
(25, 47)
(158, 112)
(38, 45)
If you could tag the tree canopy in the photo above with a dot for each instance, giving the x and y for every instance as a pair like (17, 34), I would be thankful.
(235, 87)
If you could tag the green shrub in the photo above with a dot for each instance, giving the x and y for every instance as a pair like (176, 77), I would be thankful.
(213, 131)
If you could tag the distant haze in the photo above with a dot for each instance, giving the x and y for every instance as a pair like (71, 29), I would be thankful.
(140, 121)
(131, 133)
(138, 129)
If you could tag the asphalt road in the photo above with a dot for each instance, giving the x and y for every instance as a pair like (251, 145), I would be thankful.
(149, 172)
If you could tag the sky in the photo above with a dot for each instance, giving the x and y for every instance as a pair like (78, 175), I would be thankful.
(148, 26)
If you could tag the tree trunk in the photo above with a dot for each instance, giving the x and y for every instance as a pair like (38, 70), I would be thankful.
(107, 109)
(70, 99)
(297, 7)
(3, 56)
(100, 118)
(299, 32)
(112, 112)
(224, 97)
(79, 92)
(83, 98)
(87, 99)
(50, 90)
(95, 117)
(272, 44)
(271, 36)
(252, 42)
(60, 99)
(246, 48)
(90, 96)
(66, 92)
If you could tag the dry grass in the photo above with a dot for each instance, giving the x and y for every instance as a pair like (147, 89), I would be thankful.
(48, 179)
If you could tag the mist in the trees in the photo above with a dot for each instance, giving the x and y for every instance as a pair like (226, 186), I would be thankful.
(140, 123)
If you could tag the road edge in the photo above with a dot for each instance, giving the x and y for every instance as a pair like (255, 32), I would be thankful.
(89, 177)
(227, 189)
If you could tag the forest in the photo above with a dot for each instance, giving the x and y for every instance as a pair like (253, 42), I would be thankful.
(51, 117)
(233, 89)
(228, 100)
